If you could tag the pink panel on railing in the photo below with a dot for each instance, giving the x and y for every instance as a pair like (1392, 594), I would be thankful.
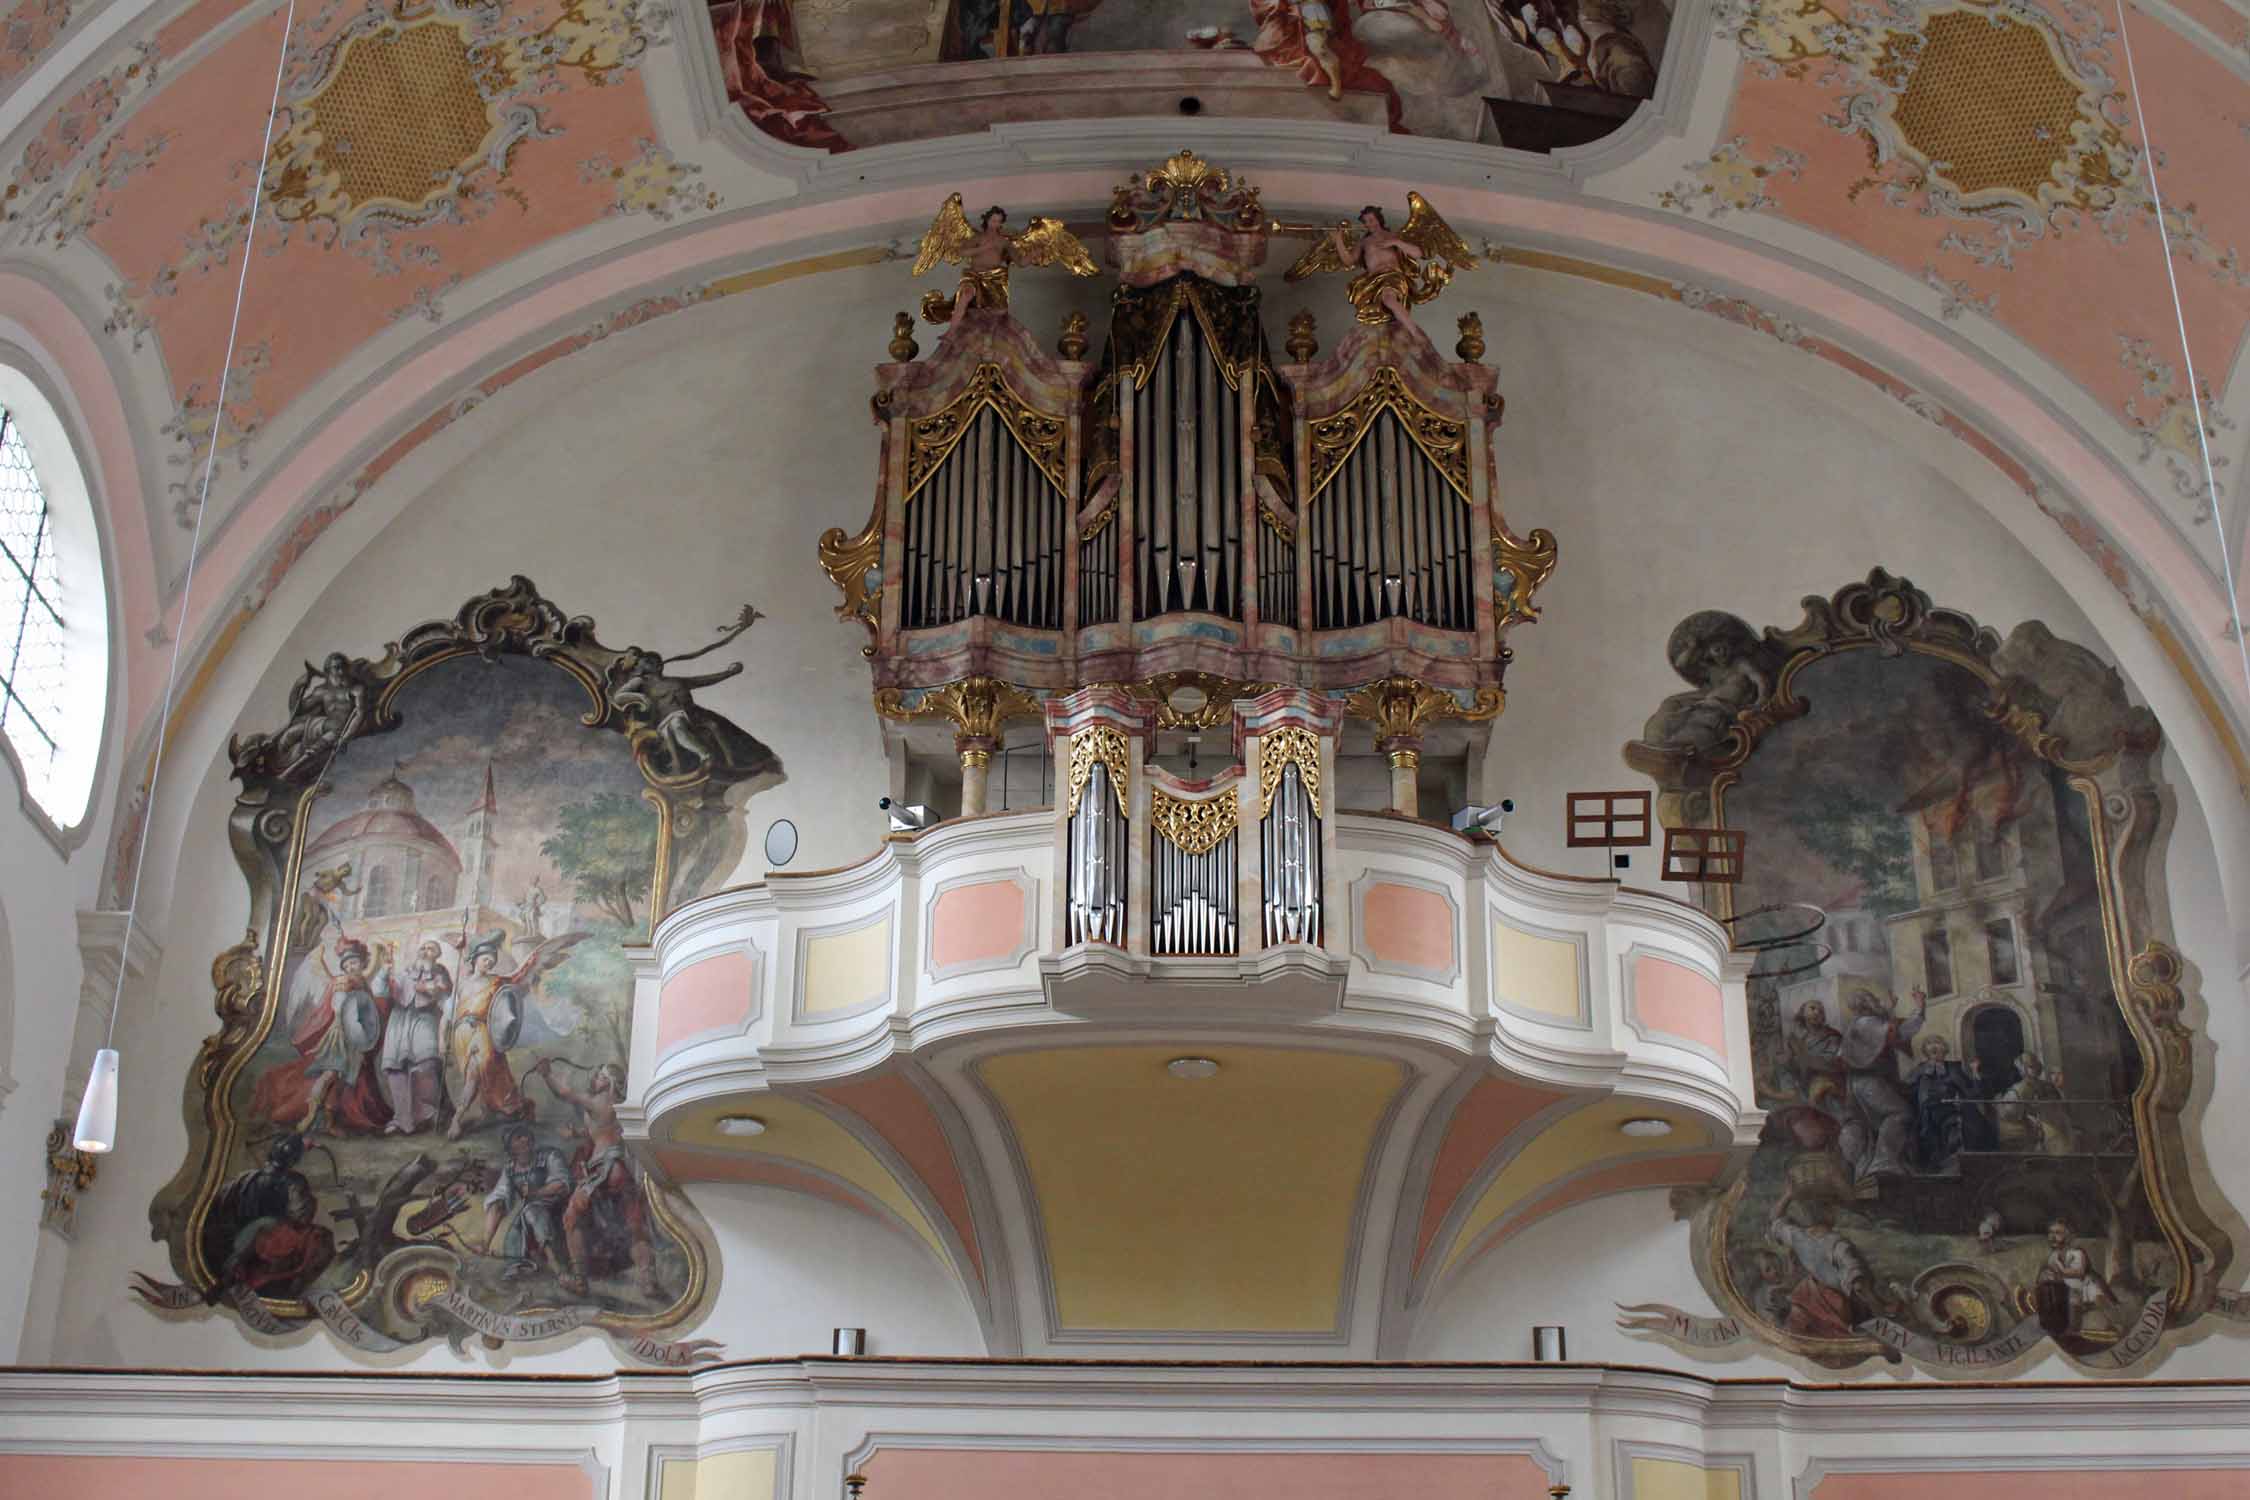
(1405, 924)
(108, 1477)
(976, 923)
(2040, 1484)
(1671, 999)
(980, 1474)
(708, 997)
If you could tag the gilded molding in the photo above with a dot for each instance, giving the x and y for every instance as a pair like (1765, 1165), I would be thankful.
(975, 706)
(1219, 695)
(1528, 563)
(850, 559)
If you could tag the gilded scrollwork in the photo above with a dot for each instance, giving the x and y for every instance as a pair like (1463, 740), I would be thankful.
(1193, 827)
(1443, 440)
(1103, 745)
(1279, 749)
(853, 562)
(1195, 700)
(929, 439)
(1184, 188)
(1522, 566)
(1401, 707)
(976, 706)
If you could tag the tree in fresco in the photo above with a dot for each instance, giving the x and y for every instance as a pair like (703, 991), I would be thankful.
(606, 846)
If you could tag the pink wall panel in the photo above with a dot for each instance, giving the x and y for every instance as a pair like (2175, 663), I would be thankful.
(938, 1474)
(1488, 1116)
(2050, 1484)
(1674, 1000)
(976, 923)
(1404, 924)
(904, 1118)
(710, 995)
(91, 1477)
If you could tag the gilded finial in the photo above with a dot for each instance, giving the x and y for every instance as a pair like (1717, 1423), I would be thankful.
(854, 1483)
(1471, 347)
(903, 347)
(1302, 346)
(1558, 1491)
(1072, 344)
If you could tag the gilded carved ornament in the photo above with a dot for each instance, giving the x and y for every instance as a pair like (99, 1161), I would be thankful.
(1279, 749)
(1444, 441)
(1528, 564)
(1195, 700)
(1184, 188)
(853, 562)
(930, 439)
(1104, 745)
(975, 706)
(1400, 708)
(1193, 827)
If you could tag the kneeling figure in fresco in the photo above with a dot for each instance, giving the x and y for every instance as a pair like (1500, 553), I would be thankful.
(605, 1225)
(522, 1212)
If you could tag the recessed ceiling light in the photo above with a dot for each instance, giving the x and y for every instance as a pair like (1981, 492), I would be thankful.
(741, 1125)
(1647, 1125)
(1191, 1067)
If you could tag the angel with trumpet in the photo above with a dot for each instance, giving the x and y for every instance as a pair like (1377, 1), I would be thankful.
(985, 253)
(1395, 270)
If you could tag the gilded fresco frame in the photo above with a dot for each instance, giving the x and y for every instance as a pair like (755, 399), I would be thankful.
(284, 773)
(2069, 710)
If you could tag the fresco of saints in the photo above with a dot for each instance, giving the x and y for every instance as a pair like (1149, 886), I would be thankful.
(262, 1231)
(606, 1223)
(486, 1024)
(413, 1050)
(333, 1085)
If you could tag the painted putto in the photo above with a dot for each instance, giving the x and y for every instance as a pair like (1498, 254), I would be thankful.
(1534, 75)
(1966, 1018)
(408, 1125)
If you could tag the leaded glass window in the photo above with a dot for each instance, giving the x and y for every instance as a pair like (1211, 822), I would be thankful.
(32, 639)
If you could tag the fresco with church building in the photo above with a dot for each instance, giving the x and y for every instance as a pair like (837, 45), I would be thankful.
(409, 1126)
(1972, 1082)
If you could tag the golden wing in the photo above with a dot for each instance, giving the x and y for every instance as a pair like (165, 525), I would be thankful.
(1045, 243)
(1323, 256)
(1429, 233)
(948, 237)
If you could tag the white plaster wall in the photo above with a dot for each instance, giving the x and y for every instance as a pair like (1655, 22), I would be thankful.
(663, 478)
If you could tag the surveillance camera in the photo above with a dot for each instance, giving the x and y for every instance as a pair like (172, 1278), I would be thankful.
(1507, 804)
(884, 803)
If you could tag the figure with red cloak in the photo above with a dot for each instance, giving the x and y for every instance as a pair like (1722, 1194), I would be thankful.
(754, 38)
(1314, 38)
(334, 1084)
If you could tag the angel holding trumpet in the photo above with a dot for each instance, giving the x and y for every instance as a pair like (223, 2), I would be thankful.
(985, 253)
(1396, 269)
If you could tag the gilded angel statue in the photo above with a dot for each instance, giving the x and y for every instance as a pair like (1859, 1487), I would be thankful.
(1395, 270)
(985, 253)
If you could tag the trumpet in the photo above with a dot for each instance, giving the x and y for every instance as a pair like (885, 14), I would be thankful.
(1309, 231)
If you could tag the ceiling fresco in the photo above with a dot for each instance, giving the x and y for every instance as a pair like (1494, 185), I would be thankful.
(1535, 74)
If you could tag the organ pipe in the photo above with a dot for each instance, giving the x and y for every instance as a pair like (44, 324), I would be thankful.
(985, 536)
(1097, 864)
(1289, 837)
(1389, 537)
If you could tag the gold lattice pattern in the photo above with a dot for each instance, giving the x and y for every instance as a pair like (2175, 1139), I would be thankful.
(1106, 745)
(1279, 749)
(401, 114)
(1989, 102)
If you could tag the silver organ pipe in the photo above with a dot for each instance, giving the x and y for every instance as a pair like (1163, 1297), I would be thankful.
(1097, 863)
(984, 535)
(1187, 456)
(1192, 888)
(1290, 846)
(1390, 537)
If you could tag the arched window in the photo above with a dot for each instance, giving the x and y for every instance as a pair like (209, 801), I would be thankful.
(54, 625)
(376, 902)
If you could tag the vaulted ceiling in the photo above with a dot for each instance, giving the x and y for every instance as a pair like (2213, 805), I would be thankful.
(1952, 200)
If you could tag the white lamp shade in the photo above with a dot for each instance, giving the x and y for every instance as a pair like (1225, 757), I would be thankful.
(97, 1112)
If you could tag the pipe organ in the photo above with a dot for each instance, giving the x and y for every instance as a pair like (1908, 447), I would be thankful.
(1318, 538)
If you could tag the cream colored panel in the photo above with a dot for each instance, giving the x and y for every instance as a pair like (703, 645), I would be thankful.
(1675, 1479)
(1537, 975)
(799, 1133)
(747, 1475)
(846, 971)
